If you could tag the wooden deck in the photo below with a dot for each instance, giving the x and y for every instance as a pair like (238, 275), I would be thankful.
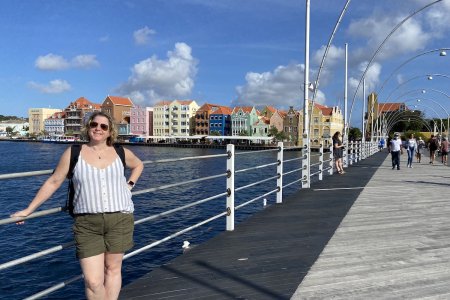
(372, 233)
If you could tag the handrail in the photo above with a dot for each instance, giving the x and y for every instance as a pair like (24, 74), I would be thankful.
(354, 150)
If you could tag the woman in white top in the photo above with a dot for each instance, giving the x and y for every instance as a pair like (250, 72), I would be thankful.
(411, 146)
(104, 224)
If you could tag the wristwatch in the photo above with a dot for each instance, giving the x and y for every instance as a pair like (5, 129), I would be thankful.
(131, 184)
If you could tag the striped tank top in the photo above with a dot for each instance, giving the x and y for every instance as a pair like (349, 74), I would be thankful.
(101, 190)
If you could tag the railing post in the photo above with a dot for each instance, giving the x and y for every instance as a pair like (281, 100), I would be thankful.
(330, 171)
(280, 173)
(350, 157)
(345, 154)
(321, 162)
(230, 187)
(305, 165)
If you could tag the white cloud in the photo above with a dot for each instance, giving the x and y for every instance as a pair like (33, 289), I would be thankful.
(282, 88)
(142, 36)
(153, 79)
(104, 39)
(56, 86)
(52, 62)
(372, 78)
(85, 61)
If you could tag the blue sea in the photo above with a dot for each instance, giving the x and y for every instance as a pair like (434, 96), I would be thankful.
(39, 234)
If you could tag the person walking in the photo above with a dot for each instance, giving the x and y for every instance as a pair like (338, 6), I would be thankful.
(395, 147)
(103, 209)
(444, 150)
(433, 145)
(419, 149)
(337, 152)
(411, 146)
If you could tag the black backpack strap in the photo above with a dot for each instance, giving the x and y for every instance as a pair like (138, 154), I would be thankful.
(121, 152)
(74, 154)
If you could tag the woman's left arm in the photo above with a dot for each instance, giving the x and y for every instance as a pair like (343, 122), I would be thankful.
(135, 164)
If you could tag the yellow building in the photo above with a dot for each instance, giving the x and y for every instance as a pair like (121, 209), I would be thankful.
(174, 118)
(37, 116)
(325, 121)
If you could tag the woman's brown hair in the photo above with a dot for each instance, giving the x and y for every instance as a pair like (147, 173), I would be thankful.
(112, 128)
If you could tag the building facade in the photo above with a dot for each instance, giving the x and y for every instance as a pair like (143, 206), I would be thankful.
(119, 108)
(141, 121)
(220, 121)
(75, 116)
(182, 117)
(242, 120)
(161, 118)
(37, 116)
(54, 125)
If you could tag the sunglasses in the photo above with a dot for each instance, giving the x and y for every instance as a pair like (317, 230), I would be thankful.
(104, 127)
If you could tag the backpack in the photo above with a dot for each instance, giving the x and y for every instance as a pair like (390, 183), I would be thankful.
(434, 144)
(74, 154)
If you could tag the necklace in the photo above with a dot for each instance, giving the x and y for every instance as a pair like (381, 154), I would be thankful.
(97, 152)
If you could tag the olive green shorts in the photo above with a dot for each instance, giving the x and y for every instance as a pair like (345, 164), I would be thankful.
(103, 232)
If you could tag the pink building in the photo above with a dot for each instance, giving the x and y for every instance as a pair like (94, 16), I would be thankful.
(141, 121)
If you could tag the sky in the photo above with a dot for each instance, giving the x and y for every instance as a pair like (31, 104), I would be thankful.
(227, 52)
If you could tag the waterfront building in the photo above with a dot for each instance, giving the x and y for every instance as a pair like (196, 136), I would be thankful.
(76, 115)
(242, 120)
(277, 120)
(54, 125)
(208, 119)
(141, 121)
(119, 109)
(16, 127)
(325, 121)
(261, 127)
(161, 118)
(182, 117)
(220, 121)
(37, 116)
(376, 113)
(291, 120)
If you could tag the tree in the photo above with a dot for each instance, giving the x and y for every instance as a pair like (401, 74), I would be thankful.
(354, 134)
(9, 131)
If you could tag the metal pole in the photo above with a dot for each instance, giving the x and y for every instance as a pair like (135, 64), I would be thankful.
(345, 133)
(230, 188)
(306, 144)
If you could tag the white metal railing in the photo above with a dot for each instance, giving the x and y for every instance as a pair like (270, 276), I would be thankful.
(321, 163)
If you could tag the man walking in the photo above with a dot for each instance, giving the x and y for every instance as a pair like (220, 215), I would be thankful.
(395, 147)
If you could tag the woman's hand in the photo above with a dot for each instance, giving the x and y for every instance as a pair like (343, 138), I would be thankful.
(21, 214)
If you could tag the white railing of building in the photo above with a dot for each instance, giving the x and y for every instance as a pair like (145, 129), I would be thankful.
(357, 151)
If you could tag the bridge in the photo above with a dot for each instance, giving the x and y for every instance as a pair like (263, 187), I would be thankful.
(372, 233)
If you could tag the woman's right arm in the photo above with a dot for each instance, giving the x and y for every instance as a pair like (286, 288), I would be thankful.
(49, 187)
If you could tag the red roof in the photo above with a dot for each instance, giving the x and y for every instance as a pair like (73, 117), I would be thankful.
(162, 103)
(223, 110)
(246, 109)
(120, 100)
(385, 107)
(326, 111)
(83, 103)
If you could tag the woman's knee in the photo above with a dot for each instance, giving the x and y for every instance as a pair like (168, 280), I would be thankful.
(94, 283)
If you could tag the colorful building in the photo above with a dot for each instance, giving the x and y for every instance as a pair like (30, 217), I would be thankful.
(220, 121)
(54, 125)
(119, 109)
(242, 120)
(141, 121)
(76, 115)
(161, 118)
(37, 116)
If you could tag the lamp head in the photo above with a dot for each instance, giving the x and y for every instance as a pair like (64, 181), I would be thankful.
(430, 77)
(443, 53)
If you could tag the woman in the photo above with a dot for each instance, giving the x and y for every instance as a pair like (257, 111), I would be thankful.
(420, 147)
(411, 146)
(433, 145)
(337, 152)
(103, 208)
(444, 150)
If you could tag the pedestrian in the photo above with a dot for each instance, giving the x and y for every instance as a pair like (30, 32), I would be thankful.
(381, 144)
(395, 148)
(103, 209)
(338, 152)
(433, 145)
(444, 150)
(411, 146)
(420, 149)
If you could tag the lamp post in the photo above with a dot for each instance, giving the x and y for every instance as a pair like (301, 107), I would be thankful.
(306, 144)
(345, 133)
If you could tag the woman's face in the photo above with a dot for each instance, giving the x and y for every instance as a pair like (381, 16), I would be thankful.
(99, 129)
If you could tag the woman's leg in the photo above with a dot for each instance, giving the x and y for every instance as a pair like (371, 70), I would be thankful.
(113, 275)
(94, 276)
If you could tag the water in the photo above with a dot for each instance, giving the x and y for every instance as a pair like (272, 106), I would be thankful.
(42, 233)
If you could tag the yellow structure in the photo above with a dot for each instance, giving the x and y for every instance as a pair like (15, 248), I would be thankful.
(37, 116)
(174, 118)
(325, 121)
